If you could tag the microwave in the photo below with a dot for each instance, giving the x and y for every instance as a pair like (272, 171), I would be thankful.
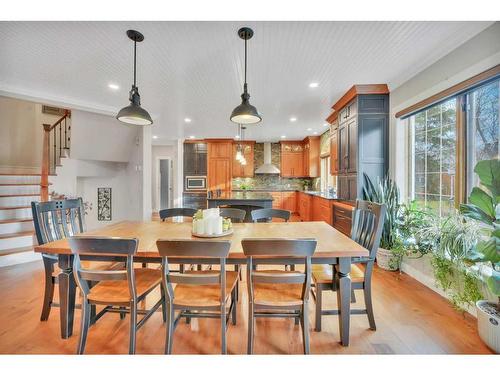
(196, 183)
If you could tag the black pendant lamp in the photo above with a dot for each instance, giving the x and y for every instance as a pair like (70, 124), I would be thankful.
(134, 114)
(245, 113)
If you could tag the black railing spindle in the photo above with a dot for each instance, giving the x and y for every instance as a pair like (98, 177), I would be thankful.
(55, 149)
(65, 134)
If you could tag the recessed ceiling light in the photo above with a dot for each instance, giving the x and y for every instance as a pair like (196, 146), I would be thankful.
(313, 85)
(187, 120)
(113, 86)
(191, 137)
(309, 129)
(155, 137)
(315, 133)
(237, 137)
(326, 124)
(283, 136)
(293, 119)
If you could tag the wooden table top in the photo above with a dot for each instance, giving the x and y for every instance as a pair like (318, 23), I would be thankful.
(331, 243)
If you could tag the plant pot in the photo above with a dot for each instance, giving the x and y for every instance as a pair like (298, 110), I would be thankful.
(386, 260)
(488, 324)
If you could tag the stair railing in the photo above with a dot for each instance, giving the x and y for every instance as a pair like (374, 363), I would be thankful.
(53, 152)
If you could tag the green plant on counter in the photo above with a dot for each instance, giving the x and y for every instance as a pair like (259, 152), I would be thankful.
(484, 207)
(244, 186)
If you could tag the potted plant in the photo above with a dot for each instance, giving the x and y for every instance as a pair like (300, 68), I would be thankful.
(484, 206)
(391, 250)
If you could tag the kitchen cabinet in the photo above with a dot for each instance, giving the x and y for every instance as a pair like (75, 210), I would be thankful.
(321, 209)
(277, 199)
(311, 156)
(219, 165)
(359, 138)
(240, 170)
(194, 200)
(342, 217)
(292, 159)
(195, 159)
(304, 202)
(289, 201)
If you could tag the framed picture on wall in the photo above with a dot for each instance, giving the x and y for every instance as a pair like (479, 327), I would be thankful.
(104, 204)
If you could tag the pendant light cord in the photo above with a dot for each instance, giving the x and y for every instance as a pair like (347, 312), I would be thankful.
(245, 61)
(135, 59)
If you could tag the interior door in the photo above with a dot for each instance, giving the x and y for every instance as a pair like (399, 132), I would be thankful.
(165, 183)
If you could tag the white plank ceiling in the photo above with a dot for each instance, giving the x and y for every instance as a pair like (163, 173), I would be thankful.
(194, 69)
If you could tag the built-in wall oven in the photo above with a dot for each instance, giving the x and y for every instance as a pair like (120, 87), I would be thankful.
(195, 183)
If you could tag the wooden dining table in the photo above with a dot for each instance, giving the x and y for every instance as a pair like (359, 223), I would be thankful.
(333, 247)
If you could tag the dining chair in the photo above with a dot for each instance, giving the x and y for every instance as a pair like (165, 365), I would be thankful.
(367, 224)
(266, 214)
(275, 293)
(235, 214)
(202, 294)
(53, 221)
(117, 290)
(177, 212)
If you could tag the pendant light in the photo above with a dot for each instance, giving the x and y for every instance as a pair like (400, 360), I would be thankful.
(134, 114)
(245, 113)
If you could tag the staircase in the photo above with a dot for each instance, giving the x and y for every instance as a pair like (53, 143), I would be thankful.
(18, 190)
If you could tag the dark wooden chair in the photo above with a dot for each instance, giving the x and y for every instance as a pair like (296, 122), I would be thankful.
(53, 221)
(235, 214)
(118, 290)
(203, 294)
(367, 223)
(176, 212)
(274, 293)
(267, 214)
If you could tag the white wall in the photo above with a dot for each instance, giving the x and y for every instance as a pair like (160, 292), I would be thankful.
(473, 57)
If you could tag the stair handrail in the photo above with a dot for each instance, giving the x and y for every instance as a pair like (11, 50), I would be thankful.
(45, 170)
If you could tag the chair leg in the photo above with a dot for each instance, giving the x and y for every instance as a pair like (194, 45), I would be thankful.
(85, 323)
(353, 296)
(133, 327)
(48, 295)
(367, 291)
(223, 331)
(234, 299)
(251, 322)
(319, 307)
(163, 303)
(305, 327)
(297, 320)
(170, 329)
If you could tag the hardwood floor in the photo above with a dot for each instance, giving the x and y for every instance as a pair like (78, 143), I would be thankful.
(410, 319)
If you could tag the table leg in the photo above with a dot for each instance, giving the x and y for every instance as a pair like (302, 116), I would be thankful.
(67, 291)
(344, 299)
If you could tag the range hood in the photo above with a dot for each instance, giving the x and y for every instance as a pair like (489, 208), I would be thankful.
(267, 167)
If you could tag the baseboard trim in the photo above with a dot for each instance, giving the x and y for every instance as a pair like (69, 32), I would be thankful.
(19, 258)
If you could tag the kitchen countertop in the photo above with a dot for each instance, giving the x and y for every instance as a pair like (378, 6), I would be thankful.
(244, 195)
(321, 194)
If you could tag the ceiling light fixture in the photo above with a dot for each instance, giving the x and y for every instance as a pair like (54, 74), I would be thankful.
(113, 86)
(187, 120)
(245, 113)
(313, 85)
(133, 113)
(283, 136)
(191, 137)
(293, 119)
(315, 133)
(309, 129)
(155, 137)
(326, 124)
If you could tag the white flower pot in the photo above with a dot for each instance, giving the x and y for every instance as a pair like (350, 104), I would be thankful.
(488, 324)
(384, 260)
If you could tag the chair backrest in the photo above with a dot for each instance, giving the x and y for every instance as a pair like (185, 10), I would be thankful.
(235, 214)
(191, 250)
(279, 251)
(104, 247)
(177, 212)
(367, 224)
(57, 219)
(266, 214)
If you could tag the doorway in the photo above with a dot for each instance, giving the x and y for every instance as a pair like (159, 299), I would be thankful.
(164, 179)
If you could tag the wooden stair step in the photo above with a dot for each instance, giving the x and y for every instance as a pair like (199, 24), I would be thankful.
(14, 207)
(22, 220)
(20, 195)
(17, 234)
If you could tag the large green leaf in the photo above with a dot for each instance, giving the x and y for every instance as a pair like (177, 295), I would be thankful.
(483, 201)
(489, 175)
(474, 212)
(489, 250)
(494, 283)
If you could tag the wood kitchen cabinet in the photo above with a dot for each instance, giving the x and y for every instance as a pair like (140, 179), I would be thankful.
(292, 159)
(195, 159)
(304, 202)
(321, 209)
(289, 201)
(220, 165)
(311, 156)
(359, 138)
(240, 170)
(277, 199)
(342, 217)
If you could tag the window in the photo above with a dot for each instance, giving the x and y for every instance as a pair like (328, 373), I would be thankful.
(433, 138)
(326, 180)
(483, 127)
(469, 121)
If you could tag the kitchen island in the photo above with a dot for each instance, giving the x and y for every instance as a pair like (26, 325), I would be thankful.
(243, 200)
